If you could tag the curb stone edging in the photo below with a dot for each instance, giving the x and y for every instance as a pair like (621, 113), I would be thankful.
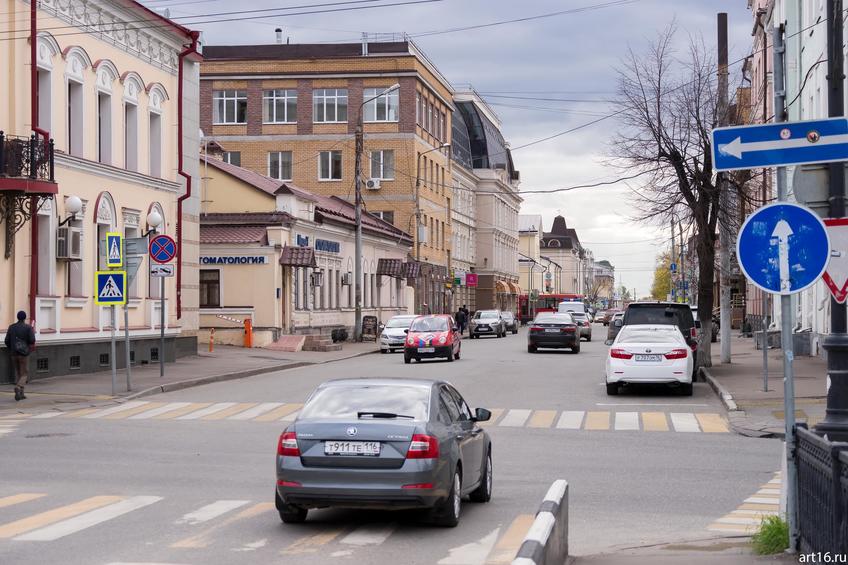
(734, 414)
(546, 541)
(723, 394)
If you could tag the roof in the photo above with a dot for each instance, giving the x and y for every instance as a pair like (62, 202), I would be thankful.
(263, 183)
(288, 188)
(336, 209)
(245, 218)
(233, 234)
(139, 7)
(293, 51)
(298, 256)
(489, 149)
(561, 232)
(529, 222)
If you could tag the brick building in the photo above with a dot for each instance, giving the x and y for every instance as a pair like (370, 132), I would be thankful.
(290, 112)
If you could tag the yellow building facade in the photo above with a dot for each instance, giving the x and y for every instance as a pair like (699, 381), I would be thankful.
(120, 105)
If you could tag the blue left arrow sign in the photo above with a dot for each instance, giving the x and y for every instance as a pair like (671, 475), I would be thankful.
(780, 144)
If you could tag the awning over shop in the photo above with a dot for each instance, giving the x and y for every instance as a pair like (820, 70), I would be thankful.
(298, 257)
(390, 267)
(501, 287)
(514, 288)
(411, 270)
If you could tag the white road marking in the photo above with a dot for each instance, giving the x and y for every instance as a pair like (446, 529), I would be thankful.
(48, 415)
(371, 534)
(471, 553)
(115, 409)
(515, 418)
(256, 411)
(290, 417)
(252, 546)
(740, 521)
(767, 491)
(627, 421)
(153, 412)
(145, 563)
(571, 420)
(92, 518)
(210, 511)
(684, 422)
(761, 500)
(197, 414)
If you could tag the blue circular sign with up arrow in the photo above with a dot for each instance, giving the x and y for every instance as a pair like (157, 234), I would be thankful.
(783, 248)
(162, 249)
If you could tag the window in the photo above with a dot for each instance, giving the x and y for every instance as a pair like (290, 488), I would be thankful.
(229, 107)
(232, 157)
(330, 165)
(418, 108)
(131, 137)
(75, 118)
(430, 118)
(155, 143)
(383, 108)
(442, 126)
(104, 128)
(74, 362)
(280, 165)
(279, 107)
(383, 164)
(210, 288)
(385, 215)
(45, 97)
(104, 359)
(329, 105)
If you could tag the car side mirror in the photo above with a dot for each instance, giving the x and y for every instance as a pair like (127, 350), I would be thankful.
(482, 415)
(382, 326)
(608, 342)
(618, 323)
(406, 331)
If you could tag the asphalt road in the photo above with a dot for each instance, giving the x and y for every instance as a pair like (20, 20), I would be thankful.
(183, 486)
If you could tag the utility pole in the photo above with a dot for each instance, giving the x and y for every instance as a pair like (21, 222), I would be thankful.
(723, 212)
(672, 262)
(357, 260)
(682, 256)
(835, 423)
(779, 50)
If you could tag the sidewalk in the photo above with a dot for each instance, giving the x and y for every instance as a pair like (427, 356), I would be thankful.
(727, 551)
(740, 386)
(226, 363)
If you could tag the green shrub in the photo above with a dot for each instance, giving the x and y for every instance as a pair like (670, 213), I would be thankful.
(772, 537)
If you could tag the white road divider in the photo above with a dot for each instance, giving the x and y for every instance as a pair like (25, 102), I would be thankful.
(546, 542)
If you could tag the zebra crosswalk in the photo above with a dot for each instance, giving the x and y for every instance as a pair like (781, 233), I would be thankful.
(10, 424)
(747, 517)
(576, 420)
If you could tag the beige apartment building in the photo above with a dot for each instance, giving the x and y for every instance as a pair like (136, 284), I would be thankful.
(290, 111)
(99, 134)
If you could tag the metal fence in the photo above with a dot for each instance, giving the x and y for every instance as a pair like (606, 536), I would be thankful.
(26, 157)
(822, 493)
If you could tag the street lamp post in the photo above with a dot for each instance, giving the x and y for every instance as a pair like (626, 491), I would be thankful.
(360, 142)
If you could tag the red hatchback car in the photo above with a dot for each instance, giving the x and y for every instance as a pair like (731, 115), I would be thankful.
(431, 337)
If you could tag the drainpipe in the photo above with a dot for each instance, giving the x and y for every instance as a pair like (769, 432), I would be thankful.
(190, 51)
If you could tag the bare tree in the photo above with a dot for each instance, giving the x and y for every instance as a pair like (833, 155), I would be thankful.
(667, 106)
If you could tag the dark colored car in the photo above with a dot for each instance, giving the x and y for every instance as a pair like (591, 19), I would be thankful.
(510, 321)
(553, 330)
(614, 327)
(431, 337)
(671, 313)
(385, 444)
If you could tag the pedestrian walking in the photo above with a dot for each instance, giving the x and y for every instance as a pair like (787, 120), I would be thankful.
(20, 340)
(461, 320)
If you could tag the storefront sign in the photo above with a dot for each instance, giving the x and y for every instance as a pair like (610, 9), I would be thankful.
(326, 245)
(302, 240)
(471, 279)
(246, 260)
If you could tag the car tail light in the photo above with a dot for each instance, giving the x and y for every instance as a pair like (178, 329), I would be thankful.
(676, 354)
(281, 483)
(536, 329)
(423, 447)
(418, 485)
(288, 445)
(620, 354)
(568, 330)
(693, 333)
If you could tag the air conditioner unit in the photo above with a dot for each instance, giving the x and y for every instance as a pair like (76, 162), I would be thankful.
(347, 278)
(69, 243)
(372, 184)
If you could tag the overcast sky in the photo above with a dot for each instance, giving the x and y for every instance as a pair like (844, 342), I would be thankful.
(569, 56)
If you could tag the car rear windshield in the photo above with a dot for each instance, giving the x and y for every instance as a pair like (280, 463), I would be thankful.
(346, 401)
(652, 335)
(659, 314)
(554, 319)
(507, 315)
(578, 315)
(399, 322)
(429, 325)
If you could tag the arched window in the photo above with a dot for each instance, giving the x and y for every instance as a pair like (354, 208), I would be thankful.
(46, 52)
(76, 63)
(107, 74)
(157, 96)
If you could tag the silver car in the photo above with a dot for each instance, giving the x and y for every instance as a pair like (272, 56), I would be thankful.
(486, 322)
(584, 324)
(386, 444)
(393, 334)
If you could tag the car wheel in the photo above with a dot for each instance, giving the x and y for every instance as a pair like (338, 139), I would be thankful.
(456, 355)
(407, 358)
(289, 514)
(531, 349)
(447, 513)
(450, 357)
(576, 348)
(589, 338)
(686, 389)
(612, 389)
(483, 493)
(384, 351)
(514, 332)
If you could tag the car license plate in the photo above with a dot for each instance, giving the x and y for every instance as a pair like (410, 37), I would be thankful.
(426, 350)
(483, 328)
(551, 330)
(653, 358)
(352, 448)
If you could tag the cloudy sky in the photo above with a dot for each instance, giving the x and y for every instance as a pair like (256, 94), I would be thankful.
(542, 76)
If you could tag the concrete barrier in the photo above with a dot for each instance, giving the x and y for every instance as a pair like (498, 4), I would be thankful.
(546, 542)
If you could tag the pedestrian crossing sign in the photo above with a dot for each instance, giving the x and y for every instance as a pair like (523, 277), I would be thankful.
(114, 250)
(111, 287)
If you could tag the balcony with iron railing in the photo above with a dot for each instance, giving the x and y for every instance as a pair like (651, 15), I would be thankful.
(27, 165)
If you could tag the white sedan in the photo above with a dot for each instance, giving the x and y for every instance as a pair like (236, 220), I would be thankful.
(650, 354)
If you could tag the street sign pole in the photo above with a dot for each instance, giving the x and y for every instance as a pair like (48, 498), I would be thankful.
(112, 351)
(162, 327)
(786, 311)
(127, 344)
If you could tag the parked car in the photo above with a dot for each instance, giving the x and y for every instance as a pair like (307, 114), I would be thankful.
(385, 444)
(393, 334)
(486, 322)
(553, 330)
(605, 316)
(585, 325)
(614, 327)
(510, 322)
(433, 336)
(650, 353)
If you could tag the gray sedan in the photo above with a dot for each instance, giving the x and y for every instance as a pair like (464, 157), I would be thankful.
(386, 444)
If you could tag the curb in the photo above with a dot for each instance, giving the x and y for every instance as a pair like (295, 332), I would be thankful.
(189, 383)
(722, 393)
(735, 415)
(546, 541)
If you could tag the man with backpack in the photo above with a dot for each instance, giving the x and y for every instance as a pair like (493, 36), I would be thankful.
(20, 339)
(461, 320)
